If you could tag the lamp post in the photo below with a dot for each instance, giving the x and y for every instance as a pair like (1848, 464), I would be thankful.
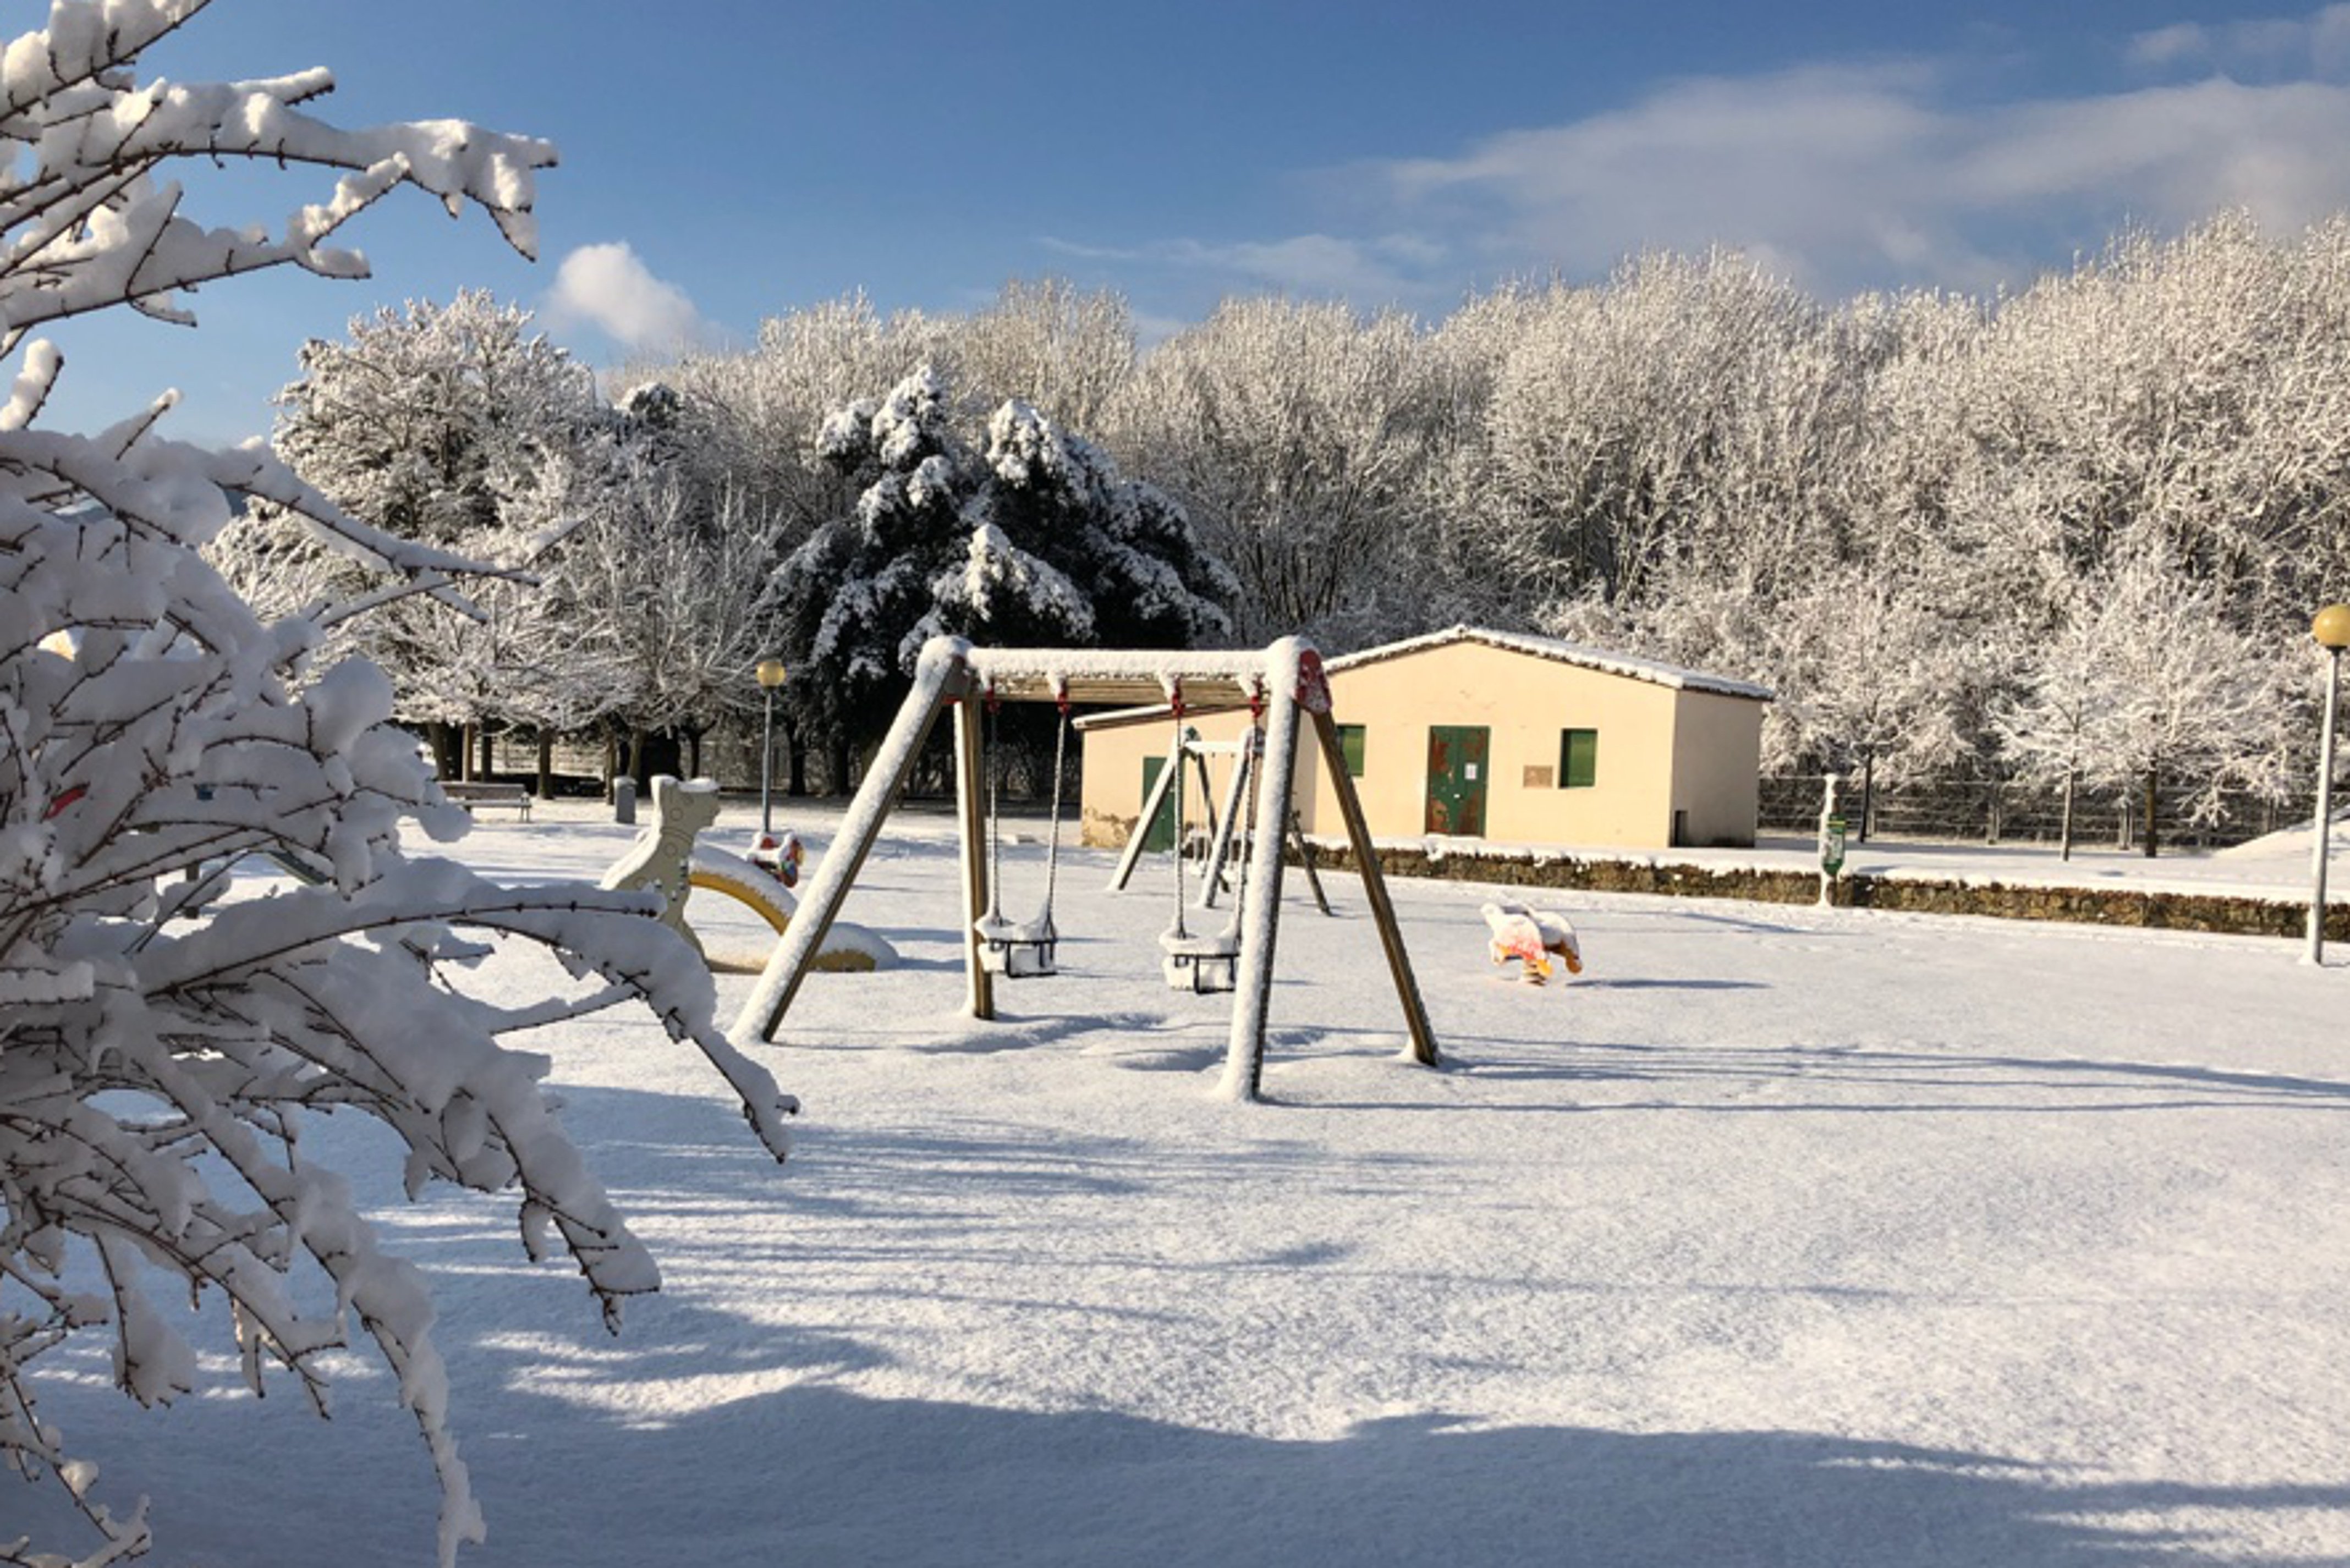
(771, 676)
(2332, 630)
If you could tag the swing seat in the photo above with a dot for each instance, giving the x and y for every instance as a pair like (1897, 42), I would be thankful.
(1016, 950)
(1200, 964)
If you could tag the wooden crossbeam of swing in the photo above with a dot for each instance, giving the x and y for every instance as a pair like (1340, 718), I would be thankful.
(1210, 681)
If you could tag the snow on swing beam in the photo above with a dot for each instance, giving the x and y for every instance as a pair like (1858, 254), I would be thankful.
(1285, 677)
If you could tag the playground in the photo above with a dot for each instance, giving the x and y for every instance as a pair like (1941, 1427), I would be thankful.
(1776, 1235)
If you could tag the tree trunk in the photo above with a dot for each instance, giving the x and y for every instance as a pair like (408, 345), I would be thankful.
(546, 764)
(448, 755)
(489, 753)
(611, 759)
(797, 775)
(2153, 833)
(1868, 793)
(2066, 833)
(836, 760)
(652, 752)
(693, 754)
(466, 753)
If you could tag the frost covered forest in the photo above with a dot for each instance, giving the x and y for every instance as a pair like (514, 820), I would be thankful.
(244, 1005)
(2072, 534)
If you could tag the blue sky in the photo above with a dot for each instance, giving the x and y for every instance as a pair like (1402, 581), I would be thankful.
(724, 160)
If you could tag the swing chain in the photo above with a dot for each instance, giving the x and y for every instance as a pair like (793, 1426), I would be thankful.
(993, 741)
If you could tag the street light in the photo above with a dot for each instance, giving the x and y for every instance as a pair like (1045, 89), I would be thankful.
(771, 676)
(2332, 630)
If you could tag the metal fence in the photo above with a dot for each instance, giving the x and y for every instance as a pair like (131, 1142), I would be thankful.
(1985, 810)
(1978, 811)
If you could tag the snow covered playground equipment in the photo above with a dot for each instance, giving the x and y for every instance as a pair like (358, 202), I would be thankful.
(666, 858)
(1281, 681)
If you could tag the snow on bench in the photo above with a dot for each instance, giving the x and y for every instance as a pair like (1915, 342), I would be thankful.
(476, 797)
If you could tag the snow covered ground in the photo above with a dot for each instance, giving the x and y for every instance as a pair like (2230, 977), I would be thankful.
(1783, 1236)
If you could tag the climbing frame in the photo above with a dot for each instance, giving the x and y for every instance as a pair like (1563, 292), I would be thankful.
(1286, 677)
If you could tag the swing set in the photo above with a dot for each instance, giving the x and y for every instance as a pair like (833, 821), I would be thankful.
(1165, 800)
(1278, 683)
(1206, 962)
(1018, 950)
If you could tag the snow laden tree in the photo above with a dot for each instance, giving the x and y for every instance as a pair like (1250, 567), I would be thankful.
(664, 586)
(1032, 539)
(1298, 440)
(1874, 679)
(746, 420)
(2147, 686)
(1680, 411)
(437, 422)
(162, 1048)
(1046, 343)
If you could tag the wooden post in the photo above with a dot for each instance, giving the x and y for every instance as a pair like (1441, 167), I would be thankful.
(1306, 859)
(1375, 890)
(935, 681)
(970, 801)
(1151, 805)
(1207, 792)
(1219, 844)
(1260, 904)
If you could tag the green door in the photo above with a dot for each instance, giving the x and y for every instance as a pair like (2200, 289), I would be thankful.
(1456, 779)
(1159, 833)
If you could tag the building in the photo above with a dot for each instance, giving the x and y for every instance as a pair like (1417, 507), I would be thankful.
(1485, 734)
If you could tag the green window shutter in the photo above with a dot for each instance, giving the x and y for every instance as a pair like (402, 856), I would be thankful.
(1578, 759)
(1350, 742)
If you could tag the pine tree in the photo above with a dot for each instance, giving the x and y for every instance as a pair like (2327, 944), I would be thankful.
(1034, 541)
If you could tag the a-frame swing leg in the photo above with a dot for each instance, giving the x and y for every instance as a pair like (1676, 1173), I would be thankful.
(936, 679)
(1305, 862)
(1375, 892)
(970, 801)
(1260, 910)
(1152, 804)
(1220, 847)
(1207, 794)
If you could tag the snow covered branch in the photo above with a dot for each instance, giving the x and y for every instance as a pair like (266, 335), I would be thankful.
(160, 1050)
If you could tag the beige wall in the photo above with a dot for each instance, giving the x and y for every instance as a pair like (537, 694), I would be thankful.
(1660, 750)
(1717, 767)
(1112, 798)
(1524, 703)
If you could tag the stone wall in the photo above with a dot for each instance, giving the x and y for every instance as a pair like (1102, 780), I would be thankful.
(2088, 905)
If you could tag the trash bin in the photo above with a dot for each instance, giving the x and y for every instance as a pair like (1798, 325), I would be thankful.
(624, 801)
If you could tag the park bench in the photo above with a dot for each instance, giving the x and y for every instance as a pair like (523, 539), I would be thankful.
(477, 796)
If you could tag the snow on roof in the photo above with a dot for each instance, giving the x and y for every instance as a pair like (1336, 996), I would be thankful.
(1625, 664)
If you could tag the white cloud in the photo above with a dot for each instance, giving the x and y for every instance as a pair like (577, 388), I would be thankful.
(2318, 42)
(2182, 43)
(1382, 270)
(1850, 178)
(607, 287)
(1842, 177)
